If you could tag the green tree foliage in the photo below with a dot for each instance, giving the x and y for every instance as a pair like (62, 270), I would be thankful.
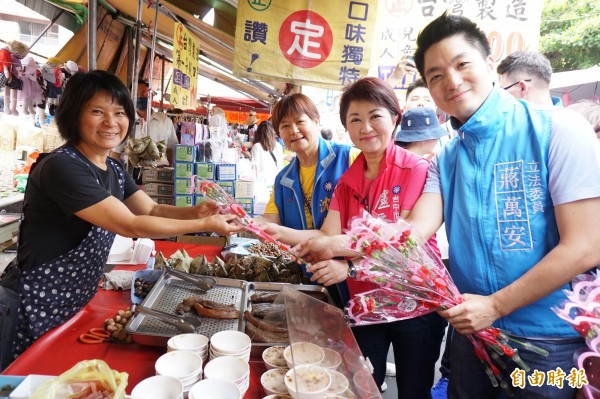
(570, 34)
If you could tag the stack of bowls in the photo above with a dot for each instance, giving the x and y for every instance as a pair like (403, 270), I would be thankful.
(230, 369)
(183, 365)
(158, 387)
(214, 389)
(196, 343)
(230, 343)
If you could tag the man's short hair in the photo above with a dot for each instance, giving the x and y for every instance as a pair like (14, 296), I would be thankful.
(445, 26)
(415, 85)
(531, 63)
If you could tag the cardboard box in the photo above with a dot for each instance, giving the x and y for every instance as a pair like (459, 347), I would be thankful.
(184, 169)
(163, 200)
(205, 170)
(244, 188)
(247, 204)
(157, 175)
(219, 241)
(154, 189)
(228, 186)
(185, 153)
(184, 200)
(184, 186)
(225, 172)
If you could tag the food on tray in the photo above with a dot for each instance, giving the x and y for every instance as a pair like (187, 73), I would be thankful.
(267, 249)
(264, 325)
(207, 308)
(216, 310)
(276, 311)
(265, 336)
(142, 288)
(264, 297)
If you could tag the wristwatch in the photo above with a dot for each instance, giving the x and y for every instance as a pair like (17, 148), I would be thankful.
(351, 269)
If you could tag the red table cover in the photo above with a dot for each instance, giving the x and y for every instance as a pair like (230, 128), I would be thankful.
(58, 350)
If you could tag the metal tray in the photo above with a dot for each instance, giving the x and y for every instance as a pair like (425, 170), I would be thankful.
(256, 287)
(169, 291)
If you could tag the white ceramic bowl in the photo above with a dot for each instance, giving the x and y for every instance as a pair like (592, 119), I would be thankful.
(188, 342)
(273, 381)
(228, 368)
(182, 365)
(273, 357)
(158, 387)
(214, 389)
(230, 342)
(303, 353)
(364, 384)
(339, 383)
(307, 382)
(332, 359)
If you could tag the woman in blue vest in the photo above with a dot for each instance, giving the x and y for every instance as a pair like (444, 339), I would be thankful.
(303, 189)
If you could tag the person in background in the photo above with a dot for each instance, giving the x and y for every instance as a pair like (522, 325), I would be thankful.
(326, 133)
(521, 230)
(526, 75)
(266, 155)
(77, 199)
(591, 111)
(10, 66)
(385, 180)
(420, 131)
(160, 127)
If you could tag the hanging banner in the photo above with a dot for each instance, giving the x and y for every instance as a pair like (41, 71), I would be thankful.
(185, 69)
(320, 43)
(510, 25)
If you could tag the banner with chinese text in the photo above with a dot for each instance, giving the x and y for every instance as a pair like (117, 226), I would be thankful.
(320, 43)
(185, 69)
(510, 25)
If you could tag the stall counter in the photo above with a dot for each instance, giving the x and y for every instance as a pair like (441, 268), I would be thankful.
(59, 350)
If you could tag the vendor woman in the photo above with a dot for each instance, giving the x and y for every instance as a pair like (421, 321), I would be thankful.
(77, 199)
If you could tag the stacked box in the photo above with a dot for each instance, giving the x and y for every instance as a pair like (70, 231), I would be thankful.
(184, 169)
(184, 200)
(163, 175)
(228, 186)
(185, 153)
(225, 172)
(247, 204)
(154, 189)
(244, 189)
(184, 186)
(205, 170)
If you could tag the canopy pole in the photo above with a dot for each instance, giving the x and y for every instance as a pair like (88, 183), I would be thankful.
(152, 52)
(92, 28)
(138, 50)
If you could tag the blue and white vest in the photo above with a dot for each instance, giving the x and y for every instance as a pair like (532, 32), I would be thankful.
(498, 211)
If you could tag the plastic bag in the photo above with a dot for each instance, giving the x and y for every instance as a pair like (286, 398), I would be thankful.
(86, 376)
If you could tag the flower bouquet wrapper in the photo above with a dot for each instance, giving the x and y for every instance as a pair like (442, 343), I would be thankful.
(582, 311)
(228, 205)
(412, 281)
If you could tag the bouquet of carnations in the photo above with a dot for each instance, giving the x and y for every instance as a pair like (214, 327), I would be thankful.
(412, 281)
(582, 311)
(228, 205)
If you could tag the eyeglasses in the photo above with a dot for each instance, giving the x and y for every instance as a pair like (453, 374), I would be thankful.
(517, 82)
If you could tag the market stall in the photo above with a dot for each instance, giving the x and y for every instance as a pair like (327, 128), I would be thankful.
(137, 360)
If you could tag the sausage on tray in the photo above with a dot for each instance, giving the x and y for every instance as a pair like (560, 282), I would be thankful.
(265, 336)
(264, 325)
